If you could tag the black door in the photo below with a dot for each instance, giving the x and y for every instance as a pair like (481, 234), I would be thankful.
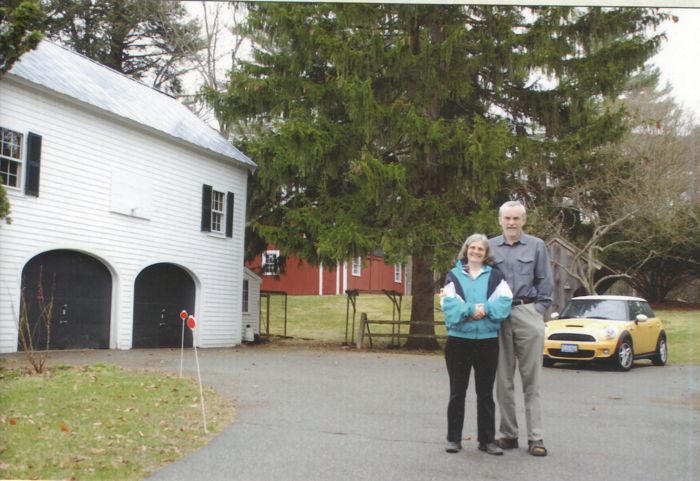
(161, 292)
(82, 299)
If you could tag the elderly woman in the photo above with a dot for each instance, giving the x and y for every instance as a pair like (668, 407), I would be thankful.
(475, 300)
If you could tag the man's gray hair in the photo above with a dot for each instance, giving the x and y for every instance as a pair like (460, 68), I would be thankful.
(512, 203)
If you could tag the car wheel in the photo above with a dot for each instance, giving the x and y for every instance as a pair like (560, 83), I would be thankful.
(547, 361)
(624, 357)
(661, 356)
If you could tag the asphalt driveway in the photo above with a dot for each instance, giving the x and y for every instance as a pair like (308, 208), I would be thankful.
(306, 414)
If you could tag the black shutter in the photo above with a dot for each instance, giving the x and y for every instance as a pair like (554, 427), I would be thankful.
(31, 184)
(206, 208)
(229, 214)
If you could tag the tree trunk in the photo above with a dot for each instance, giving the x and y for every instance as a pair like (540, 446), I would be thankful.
(423, 287)
(422, 307)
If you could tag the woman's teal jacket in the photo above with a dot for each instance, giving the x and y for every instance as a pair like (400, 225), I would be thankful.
(474, 291)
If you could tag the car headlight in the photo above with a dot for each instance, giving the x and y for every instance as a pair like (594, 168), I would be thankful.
(609, 333)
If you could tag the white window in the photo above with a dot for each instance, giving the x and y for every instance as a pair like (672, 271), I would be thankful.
(245, 295)
(397, 273)
(356, 266)
(217, 211)
(10, 157)
(270, 263)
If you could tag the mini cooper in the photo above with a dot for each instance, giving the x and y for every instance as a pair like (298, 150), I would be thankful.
(618, 329)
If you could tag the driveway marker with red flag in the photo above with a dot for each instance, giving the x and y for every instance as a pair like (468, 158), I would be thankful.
(192, 324)
(183, 316)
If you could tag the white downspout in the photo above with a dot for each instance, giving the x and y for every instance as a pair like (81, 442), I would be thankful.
(345, 276)
(320, 278)
(337, 277)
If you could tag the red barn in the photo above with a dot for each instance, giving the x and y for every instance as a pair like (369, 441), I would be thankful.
(297, 277)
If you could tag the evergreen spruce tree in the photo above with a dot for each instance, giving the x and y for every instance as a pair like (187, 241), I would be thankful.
(403, 126)
(145, 39)
(20, 31)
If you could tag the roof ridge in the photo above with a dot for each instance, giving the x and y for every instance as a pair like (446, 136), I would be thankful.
(65, 71)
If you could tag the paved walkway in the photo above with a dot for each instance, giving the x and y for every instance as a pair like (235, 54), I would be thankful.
(306, 414)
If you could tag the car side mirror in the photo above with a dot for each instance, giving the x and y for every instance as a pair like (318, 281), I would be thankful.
(641, 318)
(554, 316)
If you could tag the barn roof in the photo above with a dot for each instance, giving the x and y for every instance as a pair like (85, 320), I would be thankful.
(74, 75)
(252, 274)
(572, 249)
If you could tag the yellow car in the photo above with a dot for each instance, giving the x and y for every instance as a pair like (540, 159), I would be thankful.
(619, 329)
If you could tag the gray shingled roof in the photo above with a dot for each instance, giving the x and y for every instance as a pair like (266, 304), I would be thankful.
(75, 75)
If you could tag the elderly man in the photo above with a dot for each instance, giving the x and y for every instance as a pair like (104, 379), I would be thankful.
(524, 261)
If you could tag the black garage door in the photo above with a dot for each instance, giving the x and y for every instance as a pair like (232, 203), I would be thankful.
(82, 300)
(161, 292)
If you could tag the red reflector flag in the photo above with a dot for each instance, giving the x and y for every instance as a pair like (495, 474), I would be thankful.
(191, 322)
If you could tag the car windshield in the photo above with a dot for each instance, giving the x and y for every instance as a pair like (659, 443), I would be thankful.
(595, 309)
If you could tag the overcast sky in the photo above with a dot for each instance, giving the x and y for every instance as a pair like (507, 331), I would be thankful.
(679, 59)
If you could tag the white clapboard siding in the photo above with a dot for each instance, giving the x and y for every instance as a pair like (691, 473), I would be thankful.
(81, 148)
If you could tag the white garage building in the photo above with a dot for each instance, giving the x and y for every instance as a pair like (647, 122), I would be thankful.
(131, 203)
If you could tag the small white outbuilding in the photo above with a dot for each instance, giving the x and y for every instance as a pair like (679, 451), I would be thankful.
(251, 304)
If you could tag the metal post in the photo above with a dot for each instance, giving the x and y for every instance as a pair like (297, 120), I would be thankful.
(182, 339)
(350, 299)
(354, 311)
(201, 391)
(285, 314)
(347, 315)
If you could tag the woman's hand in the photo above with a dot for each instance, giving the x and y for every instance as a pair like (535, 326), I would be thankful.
(479, 312)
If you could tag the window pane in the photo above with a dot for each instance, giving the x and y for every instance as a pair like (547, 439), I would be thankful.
(598, 308)
(397, 273)
(217, 211)
(11, 144)
(356, 266)
(216, 221)
(270, 263)
(217, 202)
(9, 172)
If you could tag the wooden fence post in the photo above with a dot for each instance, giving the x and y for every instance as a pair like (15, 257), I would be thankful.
(361, 334)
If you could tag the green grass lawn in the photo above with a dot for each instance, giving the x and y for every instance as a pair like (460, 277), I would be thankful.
(323, 318)
(683, 332)
(101, 422)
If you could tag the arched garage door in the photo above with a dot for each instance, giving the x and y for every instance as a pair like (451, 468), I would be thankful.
(82, 299)
(161, 292)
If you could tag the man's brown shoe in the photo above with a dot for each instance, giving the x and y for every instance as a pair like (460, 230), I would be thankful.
(536, 448)
(507, 443)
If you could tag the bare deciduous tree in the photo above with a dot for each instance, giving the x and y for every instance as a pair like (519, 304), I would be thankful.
(32, 330)
(223, 43)
(625, 216)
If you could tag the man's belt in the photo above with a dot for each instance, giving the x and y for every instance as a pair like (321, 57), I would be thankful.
(524, 300)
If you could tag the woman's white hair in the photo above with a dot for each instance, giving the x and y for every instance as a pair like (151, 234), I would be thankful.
(471, 240)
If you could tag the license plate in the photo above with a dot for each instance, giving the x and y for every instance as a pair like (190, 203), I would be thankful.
(569, 348)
